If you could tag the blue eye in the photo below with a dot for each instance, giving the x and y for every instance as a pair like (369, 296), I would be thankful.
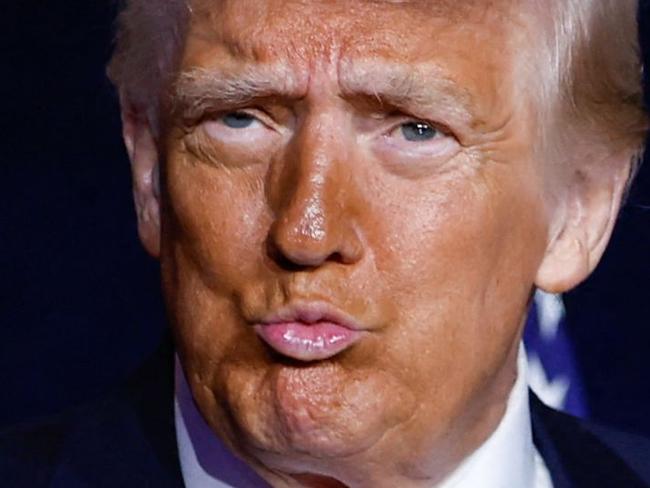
(418, 131)
(238, 120)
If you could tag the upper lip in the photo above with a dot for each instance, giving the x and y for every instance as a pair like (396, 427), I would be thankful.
(311, 313)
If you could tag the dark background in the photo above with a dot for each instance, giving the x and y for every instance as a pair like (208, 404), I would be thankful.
(79, 300)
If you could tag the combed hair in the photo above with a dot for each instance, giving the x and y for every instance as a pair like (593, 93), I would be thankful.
(148, 43)
(590, 64)
(593, 64)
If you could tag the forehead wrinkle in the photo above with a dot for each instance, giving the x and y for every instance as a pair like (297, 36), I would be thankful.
(222, 86)
(424, 85)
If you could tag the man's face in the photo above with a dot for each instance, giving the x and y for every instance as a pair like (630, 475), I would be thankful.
(352, 224)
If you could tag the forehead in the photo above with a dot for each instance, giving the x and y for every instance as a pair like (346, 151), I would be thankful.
(470, 42)
(307, 29)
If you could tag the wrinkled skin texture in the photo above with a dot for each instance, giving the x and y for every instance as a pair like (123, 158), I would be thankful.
(433, 246)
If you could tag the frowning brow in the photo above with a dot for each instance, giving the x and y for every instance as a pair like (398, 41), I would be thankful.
(199, 89)
(426, 87)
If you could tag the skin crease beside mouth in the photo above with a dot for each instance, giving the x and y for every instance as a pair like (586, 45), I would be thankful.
(368, 156)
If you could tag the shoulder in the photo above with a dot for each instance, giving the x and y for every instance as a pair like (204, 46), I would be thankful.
(64, 450)
(633, 449)
(582, 453)
(30, 452)
(126, 438)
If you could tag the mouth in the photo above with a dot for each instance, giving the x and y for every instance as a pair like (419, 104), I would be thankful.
(309, 333)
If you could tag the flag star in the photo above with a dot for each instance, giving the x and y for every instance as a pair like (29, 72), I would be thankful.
(550, 311)
(552, 392)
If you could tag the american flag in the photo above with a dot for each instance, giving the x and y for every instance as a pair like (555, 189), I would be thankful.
(553, 373)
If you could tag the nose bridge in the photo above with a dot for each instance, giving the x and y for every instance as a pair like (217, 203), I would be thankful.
(307, 213)
(314, 158)
(313, 223)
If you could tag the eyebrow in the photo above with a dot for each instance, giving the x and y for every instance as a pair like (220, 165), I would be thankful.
(418, 87)
(424, 87)
(199, 89)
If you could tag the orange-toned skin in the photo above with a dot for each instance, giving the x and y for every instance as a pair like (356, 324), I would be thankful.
(433, 247)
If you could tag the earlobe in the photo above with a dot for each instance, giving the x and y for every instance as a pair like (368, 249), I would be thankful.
(143, 153)
(565, 264)
(591, 208)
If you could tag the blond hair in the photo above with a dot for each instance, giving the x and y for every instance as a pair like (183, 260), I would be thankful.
(591, 73)
(148, 44)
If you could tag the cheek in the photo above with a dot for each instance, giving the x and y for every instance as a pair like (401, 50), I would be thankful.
(213, 224)
(438, 238)
(214, 219)
(458, 263)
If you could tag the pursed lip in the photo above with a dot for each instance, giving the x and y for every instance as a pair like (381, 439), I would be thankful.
(309, 331)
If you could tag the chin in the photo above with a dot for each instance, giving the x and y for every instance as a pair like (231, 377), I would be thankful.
(318, 410)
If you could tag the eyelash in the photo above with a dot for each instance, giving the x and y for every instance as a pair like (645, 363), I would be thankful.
(264, 118)
(405, 118)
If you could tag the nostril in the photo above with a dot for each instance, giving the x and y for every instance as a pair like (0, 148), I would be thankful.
(336, 257)
(299, 256)
(288, 247)
(281, 258)
(289, 265)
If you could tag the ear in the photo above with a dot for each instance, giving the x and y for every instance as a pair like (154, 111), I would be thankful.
(590, 210)
(143, 153)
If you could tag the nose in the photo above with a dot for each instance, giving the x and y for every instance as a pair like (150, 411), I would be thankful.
(315, 209)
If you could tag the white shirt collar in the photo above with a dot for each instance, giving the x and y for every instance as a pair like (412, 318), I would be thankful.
(507, 458)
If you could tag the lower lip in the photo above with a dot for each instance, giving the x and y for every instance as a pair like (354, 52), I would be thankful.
(307, 342)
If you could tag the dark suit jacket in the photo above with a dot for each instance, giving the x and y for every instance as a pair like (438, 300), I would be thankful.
(128, 440)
